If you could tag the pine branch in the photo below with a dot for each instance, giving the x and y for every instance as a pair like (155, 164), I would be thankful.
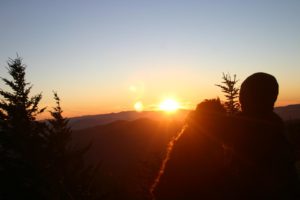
(231, 93)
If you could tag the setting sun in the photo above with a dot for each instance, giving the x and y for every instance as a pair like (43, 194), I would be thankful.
(169, 105)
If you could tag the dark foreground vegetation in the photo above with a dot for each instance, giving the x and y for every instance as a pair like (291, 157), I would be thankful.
(118, 160)
(38, 160)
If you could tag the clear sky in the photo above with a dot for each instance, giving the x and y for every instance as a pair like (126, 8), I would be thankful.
(103, 56)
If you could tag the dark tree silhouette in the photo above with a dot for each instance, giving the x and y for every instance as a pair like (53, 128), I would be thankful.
(58, 136)
(37, 158)
(59, 132)
(22, 138)
(231, 93)
(70, 176)
(18, 110)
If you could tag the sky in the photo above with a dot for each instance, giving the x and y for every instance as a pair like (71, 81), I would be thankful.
(104, 56)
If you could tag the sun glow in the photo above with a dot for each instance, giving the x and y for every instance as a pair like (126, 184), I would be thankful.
(169, 105)
(138, 106)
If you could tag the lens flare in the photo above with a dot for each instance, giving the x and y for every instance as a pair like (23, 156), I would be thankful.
(138, 106)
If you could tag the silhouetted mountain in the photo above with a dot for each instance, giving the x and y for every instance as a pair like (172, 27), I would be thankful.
(130, 153)
(88, 121)
(288, 112)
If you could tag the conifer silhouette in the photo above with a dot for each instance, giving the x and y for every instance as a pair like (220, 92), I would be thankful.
(70, 176)
(59, 132)
(231, 93)
(22, 140)
(37, 160)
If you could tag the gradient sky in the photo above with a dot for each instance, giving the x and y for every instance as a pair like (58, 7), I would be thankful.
(103, 56)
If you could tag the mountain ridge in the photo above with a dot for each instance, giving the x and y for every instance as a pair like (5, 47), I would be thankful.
(87, 121)
(289, 112)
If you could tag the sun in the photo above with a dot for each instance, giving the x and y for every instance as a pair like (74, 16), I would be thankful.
(169, 105)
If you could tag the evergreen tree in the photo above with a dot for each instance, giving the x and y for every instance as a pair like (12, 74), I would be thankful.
(70, 177)
(21, 141)
(231, 92)
(37, 160)
(58, 136)
(59, 132)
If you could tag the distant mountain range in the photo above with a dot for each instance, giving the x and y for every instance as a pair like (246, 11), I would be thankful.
(289, 112)
(88, 121)
(83, 122)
